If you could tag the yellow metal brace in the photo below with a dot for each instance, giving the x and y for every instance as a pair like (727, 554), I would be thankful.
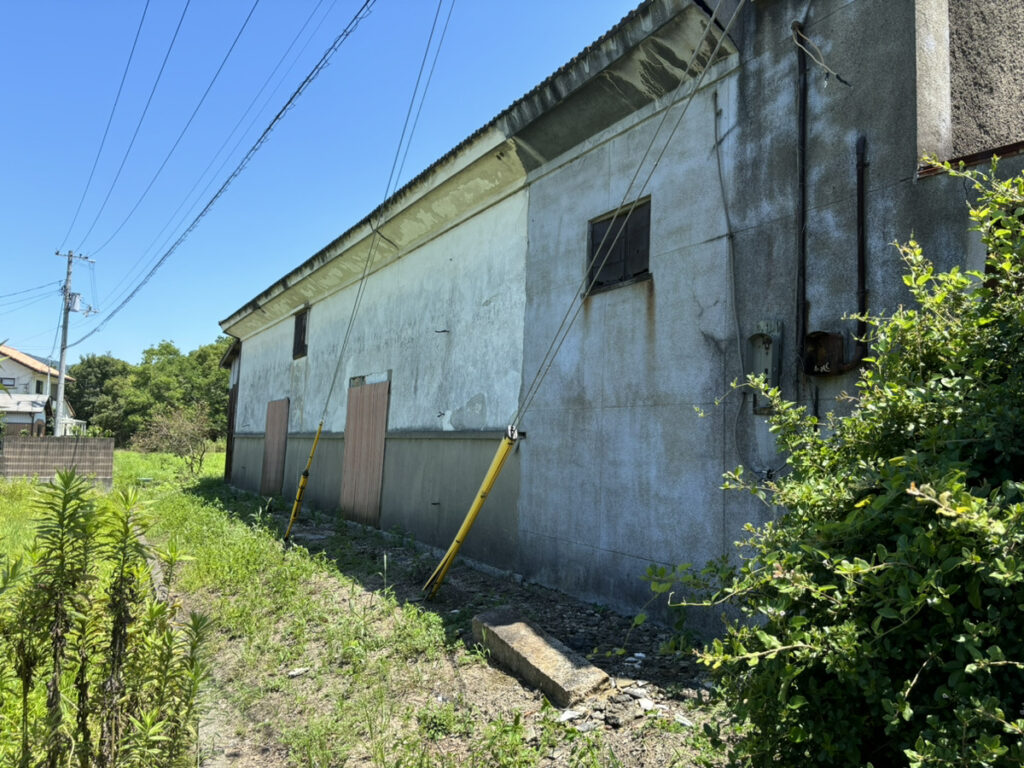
(504, 450)
(301, 490)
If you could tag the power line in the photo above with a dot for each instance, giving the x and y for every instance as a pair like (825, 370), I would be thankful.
(19, 305)
(29, 290)
(129, 273)
(138, 126)
(317, 69)
(106, 130)
(183, 131)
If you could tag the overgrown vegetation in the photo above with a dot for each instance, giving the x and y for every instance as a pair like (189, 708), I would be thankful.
(184, 432)
(94, 670)
(318, 658)
(884, 616)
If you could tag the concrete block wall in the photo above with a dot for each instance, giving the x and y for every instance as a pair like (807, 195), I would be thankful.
(43, 457)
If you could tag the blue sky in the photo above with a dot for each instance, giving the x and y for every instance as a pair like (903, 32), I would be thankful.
(323, 168)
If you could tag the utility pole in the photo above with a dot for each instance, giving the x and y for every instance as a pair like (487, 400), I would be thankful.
(69, 299)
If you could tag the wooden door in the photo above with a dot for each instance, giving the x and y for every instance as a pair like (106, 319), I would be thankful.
(229, 453)
(275, 445)
(362, 467)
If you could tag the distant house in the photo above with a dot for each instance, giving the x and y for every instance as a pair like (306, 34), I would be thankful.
(28, 388)
(767, 219)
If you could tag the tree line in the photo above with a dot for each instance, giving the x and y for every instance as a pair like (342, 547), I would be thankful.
(122, 400)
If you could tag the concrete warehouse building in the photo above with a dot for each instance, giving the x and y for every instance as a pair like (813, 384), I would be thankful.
(776, 162)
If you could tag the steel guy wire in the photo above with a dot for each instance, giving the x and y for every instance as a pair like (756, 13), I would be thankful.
(317, 69)
(591, 274)
(106, 130)
(568, 318)
(375, 235)
(426, 87)
(184, 130)
(129, 275)
(138, 126)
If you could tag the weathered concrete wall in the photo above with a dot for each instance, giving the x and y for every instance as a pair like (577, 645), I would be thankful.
(619, 471)
(615, 472)
(446, 321)
(987, 72)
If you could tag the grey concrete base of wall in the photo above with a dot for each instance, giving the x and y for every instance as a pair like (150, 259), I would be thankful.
(44, 457)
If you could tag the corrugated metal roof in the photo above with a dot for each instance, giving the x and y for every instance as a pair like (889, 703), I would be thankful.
(15, 403)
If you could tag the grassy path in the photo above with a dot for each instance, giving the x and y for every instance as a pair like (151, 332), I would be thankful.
(328, 659)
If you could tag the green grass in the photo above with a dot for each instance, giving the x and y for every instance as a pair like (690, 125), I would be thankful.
(375, 665)
(372, 660)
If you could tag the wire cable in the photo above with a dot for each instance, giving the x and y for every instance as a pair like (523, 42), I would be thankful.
(106, 130)
(375, 236)
(426, 87)
(29, 290)
(184, 130)
(138, 126)
(19, 305)
(129, 274)
(317, 69)
(592, 273)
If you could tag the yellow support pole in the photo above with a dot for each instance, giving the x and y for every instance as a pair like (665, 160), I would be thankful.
(504, 450)
(301, 490)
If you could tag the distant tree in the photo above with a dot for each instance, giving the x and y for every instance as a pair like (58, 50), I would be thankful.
(90, 374)
(122, 399)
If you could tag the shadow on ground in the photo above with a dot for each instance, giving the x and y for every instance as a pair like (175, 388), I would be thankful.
(380, 560)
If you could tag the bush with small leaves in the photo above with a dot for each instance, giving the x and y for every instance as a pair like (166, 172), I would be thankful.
(884, 610)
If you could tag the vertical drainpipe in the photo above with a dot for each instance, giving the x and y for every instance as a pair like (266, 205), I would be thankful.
(862, 249)
(801, 153)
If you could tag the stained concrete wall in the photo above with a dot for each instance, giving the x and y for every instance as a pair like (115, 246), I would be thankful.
(616, 472)
(620, 471)
(987, 71)
(445, 323)
(445, 320)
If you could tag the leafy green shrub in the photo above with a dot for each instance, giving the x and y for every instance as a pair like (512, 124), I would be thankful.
(884, 610)
(94, 671)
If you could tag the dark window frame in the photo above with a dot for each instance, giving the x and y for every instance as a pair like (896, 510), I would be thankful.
(300, 334)
(628, 253)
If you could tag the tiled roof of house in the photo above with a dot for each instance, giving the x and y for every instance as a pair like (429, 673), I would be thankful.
(28, 361)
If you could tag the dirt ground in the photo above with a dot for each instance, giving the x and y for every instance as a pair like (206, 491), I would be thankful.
(652, 713)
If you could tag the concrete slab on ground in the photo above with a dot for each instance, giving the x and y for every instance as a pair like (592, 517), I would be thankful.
(535, 657)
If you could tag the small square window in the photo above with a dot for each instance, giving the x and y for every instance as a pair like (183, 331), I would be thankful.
(5, 382)
(624, 240)
(39, 387)
(299, 339)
